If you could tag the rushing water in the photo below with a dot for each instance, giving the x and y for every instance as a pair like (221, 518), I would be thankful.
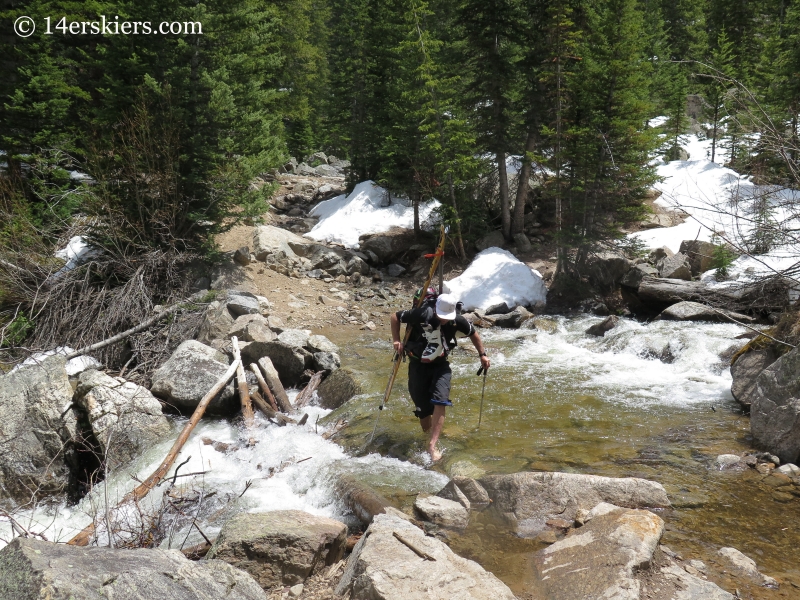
(647, 400)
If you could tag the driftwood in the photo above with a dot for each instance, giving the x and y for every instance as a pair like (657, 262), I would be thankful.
(126, 334)
(140, 491)
(303, 420)
(241, 383)
(268, 412)
(340, 424)
(766, 295)
(263, 385)
(304, 397)
(274, 383)
(417, 550)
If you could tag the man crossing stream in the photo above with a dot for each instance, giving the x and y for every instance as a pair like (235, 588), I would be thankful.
(433, 335)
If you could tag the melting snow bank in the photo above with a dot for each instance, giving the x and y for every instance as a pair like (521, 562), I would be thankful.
(75, 366)
(290, 467)
(497, 276)
(368, 209)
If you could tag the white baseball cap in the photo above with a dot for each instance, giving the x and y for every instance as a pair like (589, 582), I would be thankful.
(446, 306)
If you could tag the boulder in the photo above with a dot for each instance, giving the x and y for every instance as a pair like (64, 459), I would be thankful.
(338, 388)
(125, 418)
(513, 319)
(242, 303)
(360, 498)
(700, 255)
(522, 243)
(491, 240)
(744, 566)
(296, 338)
(388, 246)
(357, 265)
(252, 328)
(242, 256)
(745, 371)
(395, 270)
(268, 239)
(317, 159)
(37, 428)
(326, 361)
(634, 277)
(657, 254)
(601, 559)
(304, 169)
(694, 311)
(282, 547)
(32, 569)
(529, 499)
(600, 329)
(216, 323)
(775, 411)
(452, 492)
(320, 257)
(288, 360)
(229, 276)
(686, 586)
(273, 380)
(498, 309)
(675, 267)
(473, 490)
(189, 374)
(441, 511)
(319, 343)
(607, 269)
(327, 171)
(382, 567)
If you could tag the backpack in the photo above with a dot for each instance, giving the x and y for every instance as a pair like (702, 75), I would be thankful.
(430, 345)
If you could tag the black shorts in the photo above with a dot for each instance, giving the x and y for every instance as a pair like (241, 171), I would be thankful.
(429, 384)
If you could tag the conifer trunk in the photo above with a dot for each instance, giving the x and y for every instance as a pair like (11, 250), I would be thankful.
(522, 184)
(502, 175)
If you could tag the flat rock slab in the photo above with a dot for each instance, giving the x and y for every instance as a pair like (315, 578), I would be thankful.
(382, 567)
(529, 499)
(601, 559)
(694, 311)
(280, 547)
(32, 569)
(441, 511)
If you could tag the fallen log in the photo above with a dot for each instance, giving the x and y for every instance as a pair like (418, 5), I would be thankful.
(141, 490)
(274, 383)
(269, 412)
(771, 294)
(241, 384)
(304, 397)
(263, 385)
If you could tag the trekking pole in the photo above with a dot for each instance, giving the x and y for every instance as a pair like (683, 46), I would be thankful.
(483, 391)
(396, 358)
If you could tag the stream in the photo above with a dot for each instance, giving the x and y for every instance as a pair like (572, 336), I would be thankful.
(647, 400)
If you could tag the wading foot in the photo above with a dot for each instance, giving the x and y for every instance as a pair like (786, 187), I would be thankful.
(436, 456)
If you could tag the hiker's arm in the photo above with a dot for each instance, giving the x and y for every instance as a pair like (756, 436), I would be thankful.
(398, 345)
(478, 343)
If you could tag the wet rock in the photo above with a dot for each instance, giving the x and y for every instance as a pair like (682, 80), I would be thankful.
(32, 569)
(700, 255)
(37, 428)
(216, 323)
(775, 411)
(189, 374)
(745, 372)
(729, 461)
(686, 586)
(319, 343)
(744, 566)
(242, 303)
(125, 418)
(490, 240)
(529, 499)
(602, 558)
(675, 267)
(513, 319)
(242, 256)
(327, 361)
(273, 380)
(338, 388)
(694, 311)
(280, 547)
(473, 490)
(790, 470)
(600, 329)
(360, 498)
(452, 492)
(382, 567)
(544, 324)
(442, 511)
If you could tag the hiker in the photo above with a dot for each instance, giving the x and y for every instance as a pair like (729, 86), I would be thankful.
(433, 331)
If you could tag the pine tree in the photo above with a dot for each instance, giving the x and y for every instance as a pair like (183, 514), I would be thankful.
(718, 84)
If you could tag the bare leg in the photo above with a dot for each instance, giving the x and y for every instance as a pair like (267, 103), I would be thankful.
(437, 422)
(425, 423)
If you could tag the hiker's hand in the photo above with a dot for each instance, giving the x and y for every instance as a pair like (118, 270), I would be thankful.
(398, 347)
(485, 362)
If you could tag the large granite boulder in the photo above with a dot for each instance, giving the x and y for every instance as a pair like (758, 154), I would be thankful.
(125, 418)
(607, 269)
(493, 239)
(745, 371)
(288, 360)
(319, 343)
(37, 429)
(189, 374)
(442, 511)
(600, 329)
(675, 267)
(634, 276)
(528, 499)
(217, 321)
(694, 311)
(775, 411)
(252, 328)
(32, 569)
(338, 388)
(242, 303)
(601, 559)
(388, 246)
(268, 239)
(280, 547)
(382, 567)
(700, 255)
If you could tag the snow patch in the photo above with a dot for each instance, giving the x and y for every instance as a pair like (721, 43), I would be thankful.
(496, 276)
(368, 209)
(76, 252)
(75, 366)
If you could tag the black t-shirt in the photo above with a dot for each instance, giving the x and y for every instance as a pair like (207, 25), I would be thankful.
(427, 331)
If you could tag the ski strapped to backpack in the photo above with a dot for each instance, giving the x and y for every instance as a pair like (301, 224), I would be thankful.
(397, 359)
